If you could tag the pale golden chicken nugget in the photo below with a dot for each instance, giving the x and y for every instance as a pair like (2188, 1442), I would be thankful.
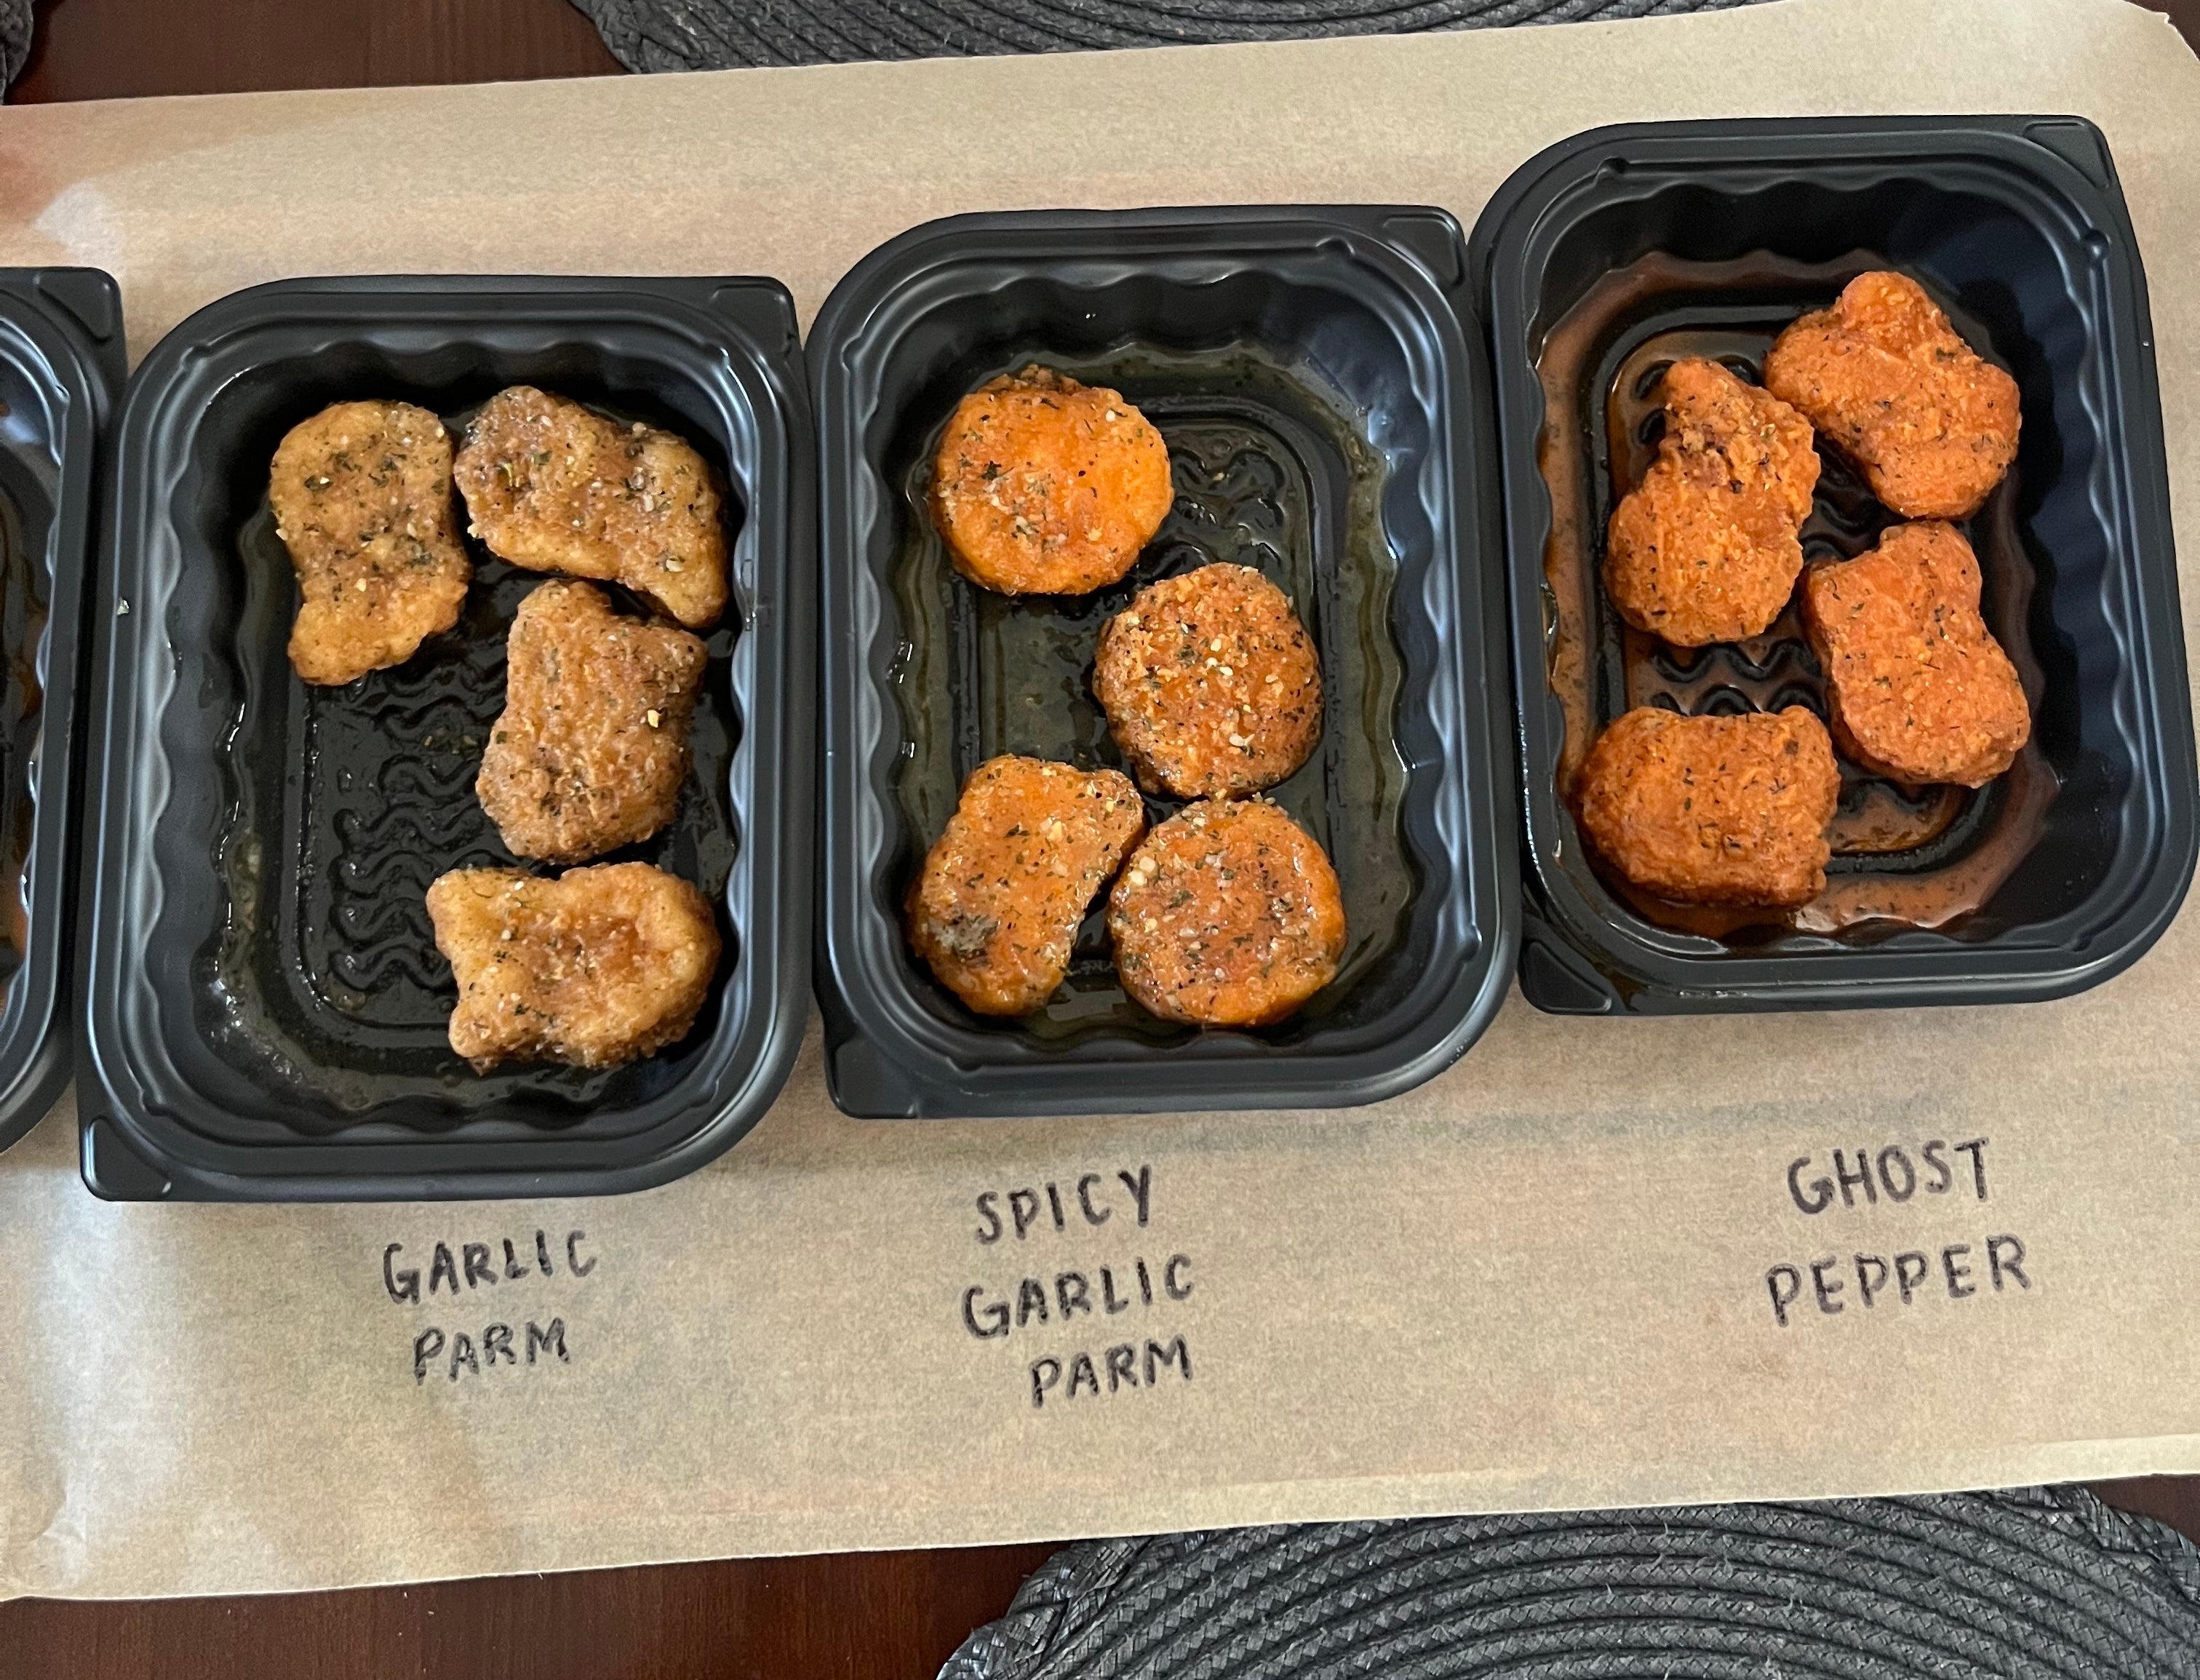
(555, 487)
(1210, 684)
(601, 966)
(997, 906)
(1917, 688)
(1228, 916)
(591, 749)
(1886, 377)
(1713, 810)
(1707, 547)
(362, 495)
(1045, 487)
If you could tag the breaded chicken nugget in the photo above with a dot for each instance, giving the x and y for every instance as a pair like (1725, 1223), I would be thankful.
(555, 487)
(1917, 688)
(1228, 916)
(596, 967)
(1045, 487)
(1713, 810)
(996, 906)
(1210, 684)
(362, 495)
(1884, 376)
(1707, 547)
(591, 749)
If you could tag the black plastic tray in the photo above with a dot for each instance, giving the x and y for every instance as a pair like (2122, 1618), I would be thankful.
(268, 1011)
(2017, 224)
(61, 364)
(1325, 418)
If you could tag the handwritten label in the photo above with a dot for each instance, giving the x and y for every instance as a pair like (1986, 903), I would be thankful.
(474, 1337)
(1076, 1281)
(1897, 1271)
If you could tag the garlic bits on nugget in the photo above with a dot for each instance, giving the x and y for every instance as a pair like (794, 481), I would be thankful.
(362, 495)
(601, 966)
(996, 908)
(1044, 487)
(1228, 915)
(554, 486)
(590, 751)
(1210, 683)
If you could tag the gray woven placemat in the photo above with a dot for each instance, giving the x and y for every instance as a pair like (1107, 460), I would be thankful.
(721, 34)
(14, 37)
(2037, 1581)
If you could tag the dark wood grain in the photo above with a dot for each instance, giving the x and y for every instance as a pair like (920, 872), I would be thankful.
(121, 49)
(887, 1616)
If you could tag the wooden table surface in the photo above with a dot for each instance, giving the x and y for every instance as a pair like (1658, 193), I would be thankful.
(881, 1616)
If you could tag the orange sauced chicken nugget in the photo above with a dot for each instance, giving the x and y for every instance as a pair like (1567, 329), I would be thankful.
(1713, 810)
(591, 749)
(362, 495)
(1228, 916)
(1707, 547)
(1917, 687)
(1885, 377)
(555, 487)
(1045, 487)
(996, 908)
(596, 967)
(1210, 684)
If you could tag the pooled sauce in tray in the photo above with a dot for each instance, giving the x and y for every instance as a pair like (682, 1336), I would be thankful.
(1924, 856)
(1268, 472)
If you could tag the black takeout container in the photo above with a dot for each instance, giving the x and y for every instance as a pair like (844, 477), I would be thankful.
(1326, 418)
(61, 364)
(267, 1011)
(2073, 864)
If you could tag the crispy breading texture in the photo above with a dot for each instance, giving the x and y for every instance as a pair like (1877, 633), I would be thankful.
(1886, 377)
(362, 495)
(591, 749)
(555, 487)
(1707, 547)
(1713, 810)
(1917, 688)
(1228, 916)
(601, 966)
(997, 906)
(1210, 684)
(1045, 487)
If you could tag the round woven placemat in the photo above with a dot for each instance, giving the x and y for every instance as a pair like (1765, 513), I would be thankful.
(2035, 1582)
(721, 34)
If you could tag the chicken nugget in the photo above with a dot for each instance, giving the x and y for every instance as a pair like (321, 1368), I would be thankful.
(997, 904)
(1885, 377)
(1045, 487)
(1210, 684)
(1228, 916)
(1916, 686)
(591, 749)
(555, 487)
(1713, 810)
(601, 966)
(362, 495)
(1707, 547)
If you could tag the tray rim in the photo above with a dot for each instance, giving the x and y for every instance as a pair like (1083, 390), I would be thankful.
(141, 1143)
(945, 1070)
(1566, 939)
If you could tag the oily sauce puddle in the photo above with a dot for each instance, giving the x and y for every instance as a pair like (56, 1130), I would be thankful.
(1924, 856)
